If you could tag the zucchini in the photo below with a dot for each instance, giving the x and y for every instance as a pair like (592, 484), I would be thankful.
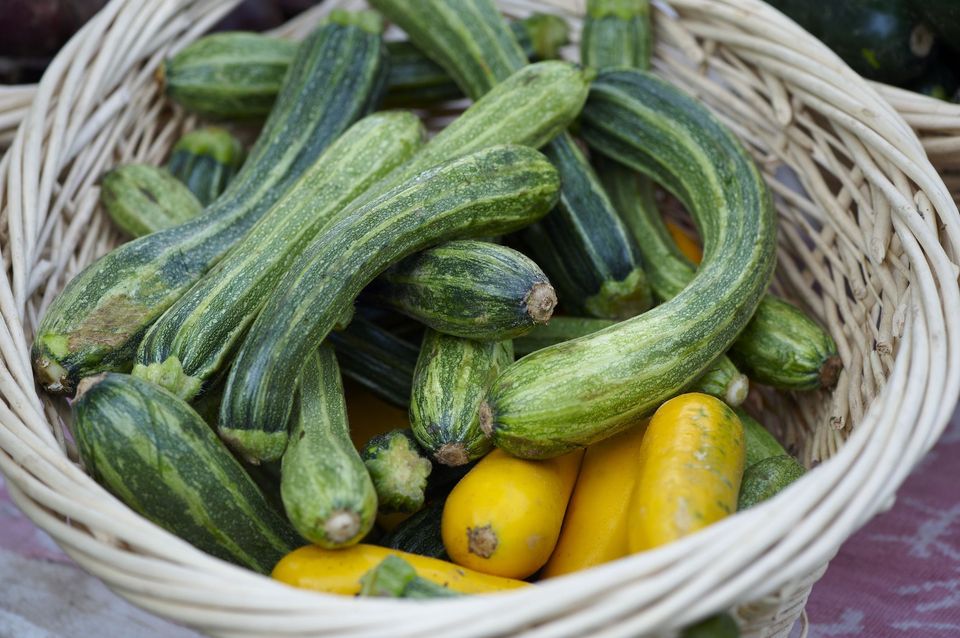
(721, 625)
(450, 381)
(760, 443)
(193, 341)
(326, 491)
(491, 191)
(143, 199)
(469, 289)
(420, 534)
(376, 359)
(764, 479)
(399, 471)
(97, 321)
(205, 160)
(396, 578)
(581, 391)
(153, 452)
(583, 246)
(617, 33)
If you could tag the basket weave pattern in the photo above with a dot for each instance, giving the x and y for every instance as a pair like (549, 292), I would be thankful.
(868, 245)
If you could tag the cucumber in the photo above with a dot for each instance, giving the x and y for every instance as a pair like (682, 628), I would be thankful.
(396, 578)
(399, 471)
(377, 359)
(205, 160)
(97, 321)
(469, 289)
(583, 246)
(581, 391)
(617, 33)
(488, 192)
(143, 199)
(326, 491)
(420, 534)
(152, 451)
(193, 341)
(450, 382)
(764, 479)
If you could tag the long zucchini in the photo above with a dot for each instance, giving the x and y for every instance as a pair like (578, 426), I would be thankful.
(97, 321)
(142, 199)
(377, 359)
(583, 246)
(582, 391)
(492, 191)
(156, 454)
(193, 340)
(469, 289)
(205, 160)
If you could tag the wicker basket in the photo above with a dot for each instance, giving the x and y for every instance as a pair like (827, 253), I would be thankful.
(867, 245)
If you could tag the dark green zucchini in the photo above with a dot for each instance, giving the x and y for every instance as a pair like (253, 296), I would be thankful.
(156, 454)
(450, 382)
(469, 289)
(583, 246)
(488, 192)
(764, 479)
(193, 341)
(420, 534)
(581, 391)
(205, 160)
(97, 321)
(142, 199)
(396, 578)
(721, 625)
(399, 470)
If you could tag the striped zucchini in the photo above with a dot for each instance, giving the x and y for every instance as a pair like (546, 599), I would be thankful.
(583, 246)
(206, 160)
(399, 470)
(581, 391)
(155, 453)
(450, 382)
(617, 33)
(142, 199)
(420, 534)
(377, 359)
(469, 289)
(491, 191)
(326, 491)
(193, 340)
(97, 321)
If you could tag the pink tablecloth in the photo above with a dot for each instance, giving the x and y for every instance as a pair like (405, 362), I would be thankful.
(899, 577)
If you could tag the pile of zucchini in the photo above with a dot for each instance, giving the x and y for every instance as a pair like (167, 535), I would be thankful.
(206, 356)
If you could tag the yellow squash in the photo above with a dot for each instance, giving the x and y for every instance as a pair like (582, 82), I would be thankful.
(689, 246)
(504, 516)
(691, 464)
(338, 571)
(595, 528)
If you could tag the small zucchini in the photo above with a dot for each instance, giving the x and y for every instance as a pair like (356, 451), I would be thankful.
(339, 571)
(396, 578)
(503, 517)
(470, 289)
(376, 359)
(492, 191)
(721, 625)
(420, 534)
(205, 160)
(399, 471)
(326, 491)
(764, 479)
(450, 381)
(690, 468)
(760, 444)
(156, 454)
(142, 199)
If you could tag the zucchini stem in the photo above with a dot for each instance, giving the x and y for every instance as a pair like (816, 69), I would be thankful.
(540, 301)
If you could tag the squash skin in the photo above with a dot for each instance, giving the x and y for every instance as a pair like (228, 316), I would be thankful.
(205, 160)
(142, 199)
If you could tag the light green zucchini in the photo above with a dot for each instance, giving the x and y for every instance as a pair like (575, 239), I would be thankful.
(396, 578)
(759, 442)
(399, 470)
(617, 33)
(764, 479)
(142, 199)
(205, 160)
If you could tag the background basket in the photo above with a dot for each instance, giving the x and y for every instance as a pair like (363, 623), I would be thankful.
(868, 241)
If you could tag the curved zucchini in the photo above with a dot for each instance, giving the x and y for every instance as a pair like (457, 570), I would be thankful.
(143, 199)
(197, 335)
(376, 359)
(451, 379)
(156, 454)
(581, 391)
(326, 491)
(420, 534)
(205, 160)
(97, 321)
(399, 471)
(491, 191)
(469, 289)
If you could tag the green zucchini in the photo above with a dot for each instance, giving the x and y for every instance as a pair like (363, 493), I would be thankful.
(142, 199)
(205, 160)
(583, 246)
(488, 192)
(156, 454)
(764, 479)
(396, 578)
(759, 442)
(326, 491)
(721, 625)
(377, 359)
(399, 471)
(193, 341)
(450, 382)
(97, 321)
(617, 33)
(420, 534)
(469, 289)
(581, 391)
